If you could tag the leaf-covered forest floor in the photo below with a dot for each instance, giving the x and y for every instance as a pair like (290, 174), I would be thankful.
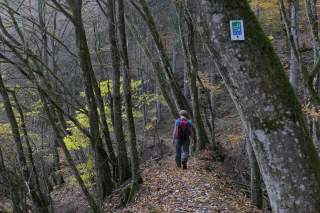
(206, 186)
(203, 187)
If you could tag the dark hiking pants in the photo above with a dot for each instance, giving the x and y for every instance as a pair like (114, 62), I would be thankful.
(182, 151)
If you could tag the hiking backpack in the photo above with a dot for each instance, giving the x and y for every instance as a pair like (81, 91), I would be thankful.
(183, 130)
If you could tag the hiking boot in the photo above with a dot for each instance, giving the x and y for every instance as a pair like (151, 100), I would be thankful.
(184, 165)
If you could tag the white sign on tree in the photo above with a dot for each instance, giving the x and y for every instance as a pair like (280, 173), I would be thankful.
(237, 30)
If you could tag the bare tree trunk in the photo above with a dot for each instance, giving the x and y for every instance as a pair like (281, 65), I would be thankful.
(213, 107)
(15, 186)
(156, 65)
(312, 14)
(181, 101)
(257, 9)
(123, 162)
(192, 67)
(127, 90)
(267, 104)
(103, 174)
(294, 66)
(26, 137)
(104, 124)
(53, 119)
(37, 196)
(186, 87)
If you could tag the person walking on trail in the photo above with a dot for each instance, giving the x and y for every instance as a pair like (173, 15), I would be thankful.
(183, 132)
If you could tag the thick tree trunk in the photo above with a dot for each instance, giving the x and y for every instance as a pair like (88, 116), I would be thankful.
(255, 78)
(123, 162)
(128, 101)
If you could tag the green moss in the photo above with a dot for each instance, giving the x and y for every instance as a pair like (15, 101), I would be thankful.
(271, 124)
(267, 65)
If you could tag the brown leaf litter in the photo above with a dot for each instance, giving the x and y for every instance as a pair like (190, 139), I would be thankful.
(167, 189)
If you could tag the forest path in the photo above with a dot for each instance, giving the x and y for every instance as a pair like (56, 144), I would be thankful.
(197, 189)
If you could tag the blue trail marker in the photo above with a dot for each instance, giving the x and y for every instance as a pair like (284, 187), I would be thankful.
(237, 30)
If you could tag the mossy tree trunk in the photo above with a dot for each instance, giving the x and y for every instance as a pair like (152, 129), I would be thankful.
(255, 78)
(123, 162)
(136, 178)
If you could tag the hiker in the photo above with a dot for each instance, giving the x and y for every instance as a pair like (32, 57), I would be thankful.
(183, 132)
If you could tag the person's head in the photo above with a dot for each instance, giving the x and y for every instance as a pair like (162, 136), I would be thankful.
(183, 113)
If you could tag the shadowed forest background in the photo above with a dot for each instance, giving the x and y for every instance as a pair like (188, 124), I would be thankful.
(90, 90)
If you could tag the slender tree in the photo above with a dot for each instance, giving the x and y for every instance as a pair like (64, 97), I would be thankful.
(189, 46)
(37, 196)
(103, 174)
(123, 162)
(295, 72)
(145, 12)
(128, 100)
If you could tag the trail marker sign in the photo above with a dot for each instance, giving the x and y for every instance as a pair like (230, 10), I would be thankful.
(237, 30)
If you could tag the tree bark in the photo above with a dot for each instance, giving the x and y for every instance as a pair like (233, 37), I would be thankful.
(180, 99)
(312, 14)
(156, 65)
(123, 162)
(186, 12)
(14, 185)
(255, 177)
(103, 174)
(37, 196)
(294, 66)
(255, 78)
(26, 137)
(128, 101)
(53, 119)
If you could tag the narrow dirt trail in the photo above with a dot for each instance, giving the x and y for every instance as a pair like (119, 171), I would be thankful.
(168, 189)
